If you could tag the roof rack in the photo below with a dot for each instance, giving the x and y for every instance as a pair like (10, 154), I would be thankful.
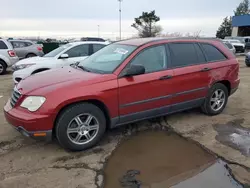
(203, 38)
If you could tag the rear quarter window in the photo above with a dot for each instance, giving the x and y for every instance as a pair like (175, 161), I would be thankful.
(212, 53)
(3, 46)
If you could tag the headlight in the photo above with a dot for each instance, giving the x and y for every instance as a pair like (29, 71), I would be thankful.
(22, 66)
(33, 103)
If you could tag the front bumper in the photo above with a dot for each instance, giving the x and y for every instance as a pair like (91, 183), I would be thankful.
(30, 125)
(38, 135)
(239, 48)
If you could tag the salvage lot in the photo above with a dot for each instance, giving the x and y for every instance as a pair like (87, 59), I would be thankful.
(29, 163)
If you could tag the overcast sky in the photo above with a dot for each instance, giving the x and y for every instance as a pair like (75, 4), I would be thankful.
(66, 18)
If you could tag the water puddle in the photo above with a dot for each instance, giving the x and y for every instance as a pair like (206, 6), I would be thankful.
(157, 159)
(234, 135)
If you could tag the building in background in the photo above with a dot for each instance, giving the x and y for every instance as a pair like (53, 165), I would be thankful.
(241, 25)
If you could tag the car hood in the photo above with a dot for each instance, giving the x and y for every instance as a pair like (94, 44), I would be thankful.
(238, 44)
(61, 77)
(35, 60)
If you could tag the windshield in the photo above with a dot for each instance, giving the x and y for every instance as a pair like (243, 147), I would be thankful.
(57, 50)
(108, 58)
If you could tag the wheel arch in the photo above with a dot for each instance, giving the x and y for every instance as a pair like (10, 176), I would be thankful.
(30, 53)
(96, 102)
(226, 83)
(4, 62)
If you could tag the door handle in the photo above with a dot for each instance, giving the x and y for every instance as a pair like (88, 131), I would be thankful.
(206, 69)
(166, 77)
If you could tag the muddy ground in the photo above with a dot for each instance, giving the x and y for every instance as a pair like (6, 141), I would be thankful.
(27, 163)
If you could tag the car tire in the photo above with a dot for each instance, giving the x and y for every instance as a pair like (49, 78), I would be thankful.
(73, 131)
(30, 55)
(213, 104)
(248, 65)
(2, 67)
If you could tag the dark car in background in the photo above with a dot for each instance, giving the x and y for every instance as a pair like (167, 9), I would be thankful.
(92, 39)
(26, 48)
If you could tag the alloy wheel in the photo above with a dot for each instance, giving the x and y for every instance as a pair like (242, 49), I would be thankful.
(217, 100)
(82, 129)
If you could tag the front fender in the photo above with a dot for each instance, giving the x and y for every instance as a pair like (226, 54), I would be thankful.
(77, 100)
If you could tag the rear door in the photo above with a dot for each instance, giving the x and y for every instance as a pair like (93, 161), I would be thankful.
(20, 48)
(190, 79)
(147, 95)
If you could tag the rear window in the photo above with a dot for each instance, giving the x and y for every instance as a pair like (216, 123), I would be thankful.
(212, 53)
(3, 46)
(230, 46)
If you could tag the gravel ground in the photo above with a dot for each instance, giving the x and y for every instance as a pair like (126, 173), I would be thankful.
(28, 163)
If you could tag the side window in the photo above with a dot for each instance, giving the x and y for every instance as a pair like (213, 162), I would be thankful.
(97, 47)
(200, 54)
(3, 45)
(212, 53)
(184, 54)
(78, 51)
(17, 44)
(28, 44)
(153, 59)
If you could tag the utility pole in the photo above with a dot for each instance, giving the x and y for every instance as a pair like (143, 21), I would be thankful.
(120, 18)
(98, 26)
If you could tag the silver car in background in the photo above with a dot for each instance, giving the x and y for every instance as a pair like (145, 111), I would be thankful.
(230, 46)
(26, 48)
(7, 56)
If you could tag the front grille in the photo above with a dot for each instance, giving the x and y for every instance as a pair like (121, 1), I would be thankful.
(239, 48)
(18, 79)
(14, 97)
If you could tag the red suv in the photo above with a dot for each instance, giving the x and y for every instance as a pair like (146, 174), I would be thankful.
(125, 82)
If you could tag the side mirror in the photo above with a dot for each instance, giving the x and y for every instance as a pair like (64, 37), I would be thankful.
(64, 56)
(134, 70)
(75, 64)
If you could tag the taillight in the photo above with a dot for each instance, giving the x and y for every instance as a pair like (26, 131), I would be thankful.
(39, 48)
(11, 53)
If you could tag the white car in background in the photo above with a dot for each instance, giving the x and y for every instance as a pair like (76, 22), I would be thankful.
(238, 45)
(7, 55)
(62, 56)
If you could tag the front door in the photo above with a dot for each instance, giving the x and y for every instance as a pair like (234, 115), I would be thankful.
(147, 95)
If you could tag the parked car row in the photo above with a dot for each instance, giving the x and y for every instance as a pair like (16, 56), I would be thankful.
(64, 55)
(123, 82)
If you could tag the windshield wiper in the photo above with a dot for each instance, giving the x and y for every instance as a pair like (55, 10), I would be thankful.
(83, 68)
